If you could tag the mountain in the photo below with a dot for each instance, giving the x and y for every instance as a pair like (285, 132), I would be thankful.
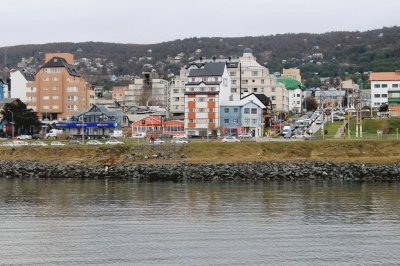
(329, 54)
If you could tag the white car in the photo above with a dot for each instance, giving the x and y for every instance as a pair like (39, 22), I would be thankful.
(94, 142)
(179, 141)
(245, 135)
(57, 143)
(23, 137)
(139, 135)
(318, 122)
(230, 139)
(180, 136)
(38, 143)
(114, 142)
(157, 141)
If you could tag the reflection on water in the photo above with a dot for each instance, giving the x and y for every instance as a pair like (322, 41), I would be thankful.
(102, 222)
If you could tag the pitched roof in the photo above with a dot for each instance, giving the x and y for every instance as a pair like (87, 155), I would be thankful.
(291, 84)
(209, 69)
(204, 82)
(61, 62)
(385, 76)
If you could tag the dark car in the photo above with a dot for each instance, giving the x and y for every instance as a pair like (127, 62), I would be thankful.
(36, 136)
(164, 136)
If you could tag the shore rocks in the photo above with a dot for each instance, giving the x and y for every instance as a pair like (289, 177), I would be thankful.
(246, 171)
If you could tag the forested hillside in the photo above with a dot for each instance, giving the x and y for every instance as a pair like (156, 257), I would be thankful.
(317, 55)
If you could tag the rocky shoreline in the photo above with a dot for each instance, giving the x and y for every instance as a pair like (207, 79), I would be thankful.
(246, 171)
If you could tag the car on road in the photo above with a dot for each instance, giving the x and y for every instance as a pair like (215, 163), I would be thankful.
(245, 136)
(57, 143)
(183, 136)
(139, 135)
(38, 143)
(94, 142)
(230, 139)
(318, 121)
(338, 118)
(114, 142)
(157, 141)
(74, 142)
(24, 137)
(179, 141)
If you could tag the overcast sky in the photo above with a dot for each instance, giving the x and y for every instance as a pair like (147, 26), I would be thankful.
(153, 21)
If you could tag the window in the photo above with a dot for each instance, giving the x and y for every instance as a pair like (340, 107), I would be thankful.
(191, 110)
(233, 82)
(55, 97)
(395, 95)
(395, 85)
(377, 85)
(384, 95)
(273, 98)
(273, 89)
(45, 107)
(254, 121)
(176, 99)
(247, 121)
(384, 85)
(298, 95)
(45, 79)
(216, 79)
(211, 120)
(254, 111)
(393, 104)
(193, 80)
(46, 97)
(55, 79)
(33, 89)
(232, 73)
(233, 90)
(31, 99)
(226, 121)
(235, 121)
(262, 81)
(72, 98)
(211, 99)
(201, 99)
(211, 110)
(377, 95)
(235, 110)
(202, 110)
(226, 110)
(55, 106)
(245, 81)
(254, 89)
(225, 82)
(191, 120)
(72, 89)
(393, 114)
(176, 90)
(245, 90)
(247, 110)
(254, 73)
(253, 81)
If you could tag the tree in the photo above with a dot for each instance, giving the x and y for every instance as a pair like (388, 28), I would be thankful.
(383, 108)
(24, 119)
(310, 103)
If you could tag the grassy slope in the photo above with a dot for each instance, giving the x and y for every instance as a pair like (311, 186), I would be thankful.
(378, 151)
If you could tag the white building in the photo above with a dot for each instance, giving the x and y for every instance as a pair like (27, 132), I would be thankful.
(381, 82)
(208, 85)
(295, 93)
(19, 84)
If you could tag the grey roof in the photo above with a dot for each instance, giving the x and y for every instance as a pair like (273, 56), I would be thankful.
(209, 69)
(28, 76)
(60, 62)
(100, 110)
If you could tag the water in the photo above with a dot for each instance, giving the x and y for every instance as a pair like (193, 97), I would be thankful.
(98, 222)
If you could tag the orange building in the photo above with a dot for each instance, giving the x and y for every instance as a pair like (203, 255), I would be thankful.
(58, 90)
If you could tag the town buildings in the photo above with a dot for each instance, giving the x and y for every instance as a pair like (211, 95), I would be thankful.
(295, 93)
(58, 90)
(19, 80)
(385, 88)
(330, 98)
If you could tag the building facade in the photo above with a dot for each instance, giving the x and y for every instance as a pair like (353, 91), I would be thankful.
(208, 85)
(58, 90)
(19, 81)
(295, 93)
(381, 83)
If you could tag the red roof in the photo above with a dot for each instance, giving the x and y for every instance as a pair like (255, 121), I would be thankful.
(149, 121)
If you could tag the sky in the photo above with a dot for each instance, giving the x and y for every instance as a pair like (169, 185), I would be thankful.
(154, 21)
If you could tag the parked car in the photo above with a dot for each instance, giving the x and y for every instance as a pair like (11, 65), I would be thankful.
(179, 141)
(157, 141)
(94, 142)
(38, 143)
(139, 135)
(288, 135)
(24, 137)
(74, 142)
(56, 143)
(114, 142)
(230, 139)
(183, 136)
(338, 118)
(36, 136)
(165, 136)
(245, 135)
(318, 122)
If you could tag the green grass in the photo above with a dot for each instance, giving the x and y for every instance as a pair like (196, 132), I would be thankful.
(370, 127)
(332, 128)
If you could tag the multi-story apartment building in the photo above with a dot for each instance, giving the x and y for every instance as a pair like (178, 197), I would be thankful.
(295, 93)
(119, 93)
(177, 98)
(208, 85)
(149, 90)
(279, 96)
(58, 90)
(381, 84)
(293, 73)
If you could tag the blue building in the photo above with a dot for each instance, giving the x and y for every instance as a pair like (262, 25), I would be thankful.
(242, 116)
(3, 89)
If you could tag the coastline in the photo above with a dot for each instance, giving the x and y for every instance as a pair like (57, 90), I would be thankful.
(180, 172)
